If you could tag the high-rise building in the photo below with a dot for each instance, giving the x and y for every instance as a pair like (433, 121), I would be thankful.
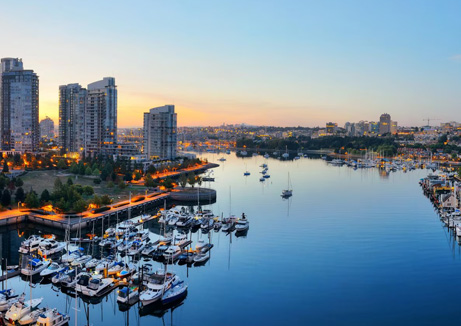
(47, 128)
(72, 105)
(101, 117)
(393, 129)
(384, 124)
(160, 133)
(19, 107)
(331, 127)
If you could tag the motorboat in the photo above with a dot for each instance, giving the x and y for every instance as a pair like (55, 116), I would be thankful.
(8, 298)
(31, 244)
(34, 266)
(92, 263)
(242, 225)
(200, 244)
(217, 225)
(31, 317)
(127, 271)
(107, 262)
(157, 284)
(184, 221)
(20, 309)
(93, 285)
(52, 270)
(65, 275)
(52, 317)
(116, 267)
(206, 247)
(187, 257)
(142, 235)
(222, 159)
(136, 247)
(50, 247)
(128, 295)
(246, 173)
(262, 179)
(124, 246)
(71, 255)
(171, 253)
(176, 292)
(148, 249)
(180, 239)
(202, 257)
(81, 261)
(124, 227)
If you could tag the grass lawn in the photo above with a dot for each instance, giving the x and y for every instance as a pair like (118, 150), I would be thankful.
(41, 180)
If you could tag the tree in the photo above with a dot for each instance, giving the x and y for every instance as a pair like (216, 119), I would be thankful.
(96, 172)
(6, 198)
(88, 191)
(191, 179)
(168, 183)
(79, 206)
(45, 196)
(18, 182)
(88, 171)
(151, 169)
(3, 182)
(31, 200)
(110, 184)
(62, 164)
(97, 181)
(148, 181)
(105, 200)
(183, 180)
(20, 195)
(5, 167)
(73, 168)
(69, 181)
(137, 176)
(57, 184)
(128, 177)
(122, 184)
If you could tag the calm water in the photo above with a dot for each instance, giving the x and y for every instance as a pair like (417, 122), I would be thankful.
(349, 248)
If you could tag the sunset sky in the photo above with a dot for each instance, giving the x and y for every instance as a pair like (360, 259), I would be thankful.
(264, 62)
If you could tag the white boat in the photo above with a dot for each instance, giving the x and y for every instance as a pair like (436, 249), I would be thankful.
(116, 267)
(136, 247)
(157, 284)
(81, 261)
(200, 244)
(148, 249)
(34, 266)
(8, 298)
(127, 271)
(266, 155)
(31, 244)
(71, 255)
(242, 224)
(50, 247)
(51, 317)
(222, 159)
(202, 257)
(128, 295)
(20, 309)
(171, 253)
(93, 285)
(105, 263)
(287, 192)
(175, 292)
(92, 263)
(124, 227)
(68, 279)
(52, 269)
(180, 239)
(286, 155)
(243, 153)
(31, 317)
(124, 246)
(142, 235)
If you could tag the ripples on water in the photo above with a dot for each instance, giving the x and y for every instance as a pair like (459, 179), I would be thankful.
(349, 248)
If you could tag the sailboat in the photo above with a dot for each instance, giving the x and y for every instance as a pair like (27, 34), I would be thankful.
(286, 155)
(287, 192)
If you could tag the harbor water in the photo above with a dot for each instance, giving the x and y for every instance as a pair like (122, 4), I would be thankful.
(350, 247)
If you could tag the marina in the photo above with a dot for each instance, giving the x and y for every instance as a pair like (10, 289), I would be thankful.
(330, 241)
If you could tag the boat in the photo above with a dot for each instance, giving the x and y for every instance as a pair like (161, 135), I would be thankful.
(71, 255)
(51, 317)
(124, 227)
(186, 257)
(93, 285)
(136, 247)
(128, 295)
(20, 309)
(262, 179)
(246, 173)
(206, 247)
(243, 153)
(176, 292)
(124, 246)
(266, 155)
(148, 249)
(288, 192)
(8, 298)
(171, 253)
(34, 266)
(180, 239)
(157, 284)
(200, 244)
(52, 270)
(222, 159)
(116, 267)
(31, 244)
(128, 270)
(242, 224)
(286, 155)
(81, 261)
(31, 317)
(107, 262)
(202, 257)
(66, 280)
(50, 247)
(92, 263)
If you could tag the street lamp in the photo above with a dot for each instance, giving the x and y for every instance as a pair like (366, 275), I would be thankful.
(19, 203)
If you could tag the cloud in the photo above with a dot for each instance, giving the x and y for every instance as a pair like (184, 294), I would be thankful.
(456, 57)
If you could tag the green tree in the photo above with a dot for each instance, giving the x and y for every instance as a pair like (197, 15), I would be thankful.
(122, 184)
(31, 200)
(191, 179)
(88, 191)
(105, 200)
(18, 182)
(97, 181)
(96, 172)
(62, 164)
(73, 168)
(5, 167)
(79, 206)
(137, 176)
(20, 195)
(6, 198)
(88, 171)
(69, 181)
(110, 184)
(183, 180)
(45, 196)
(151, 169)
(57, 184)
(128, 177)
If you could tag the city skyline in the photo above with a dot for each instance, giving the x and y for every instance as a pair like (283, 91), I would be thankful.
(262, 63)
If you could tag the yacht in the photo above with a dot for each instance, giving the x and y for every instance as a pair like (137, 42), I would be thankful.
(81, 261)
(116, 268)
(52, 270)
(157, 284)
(128, 295)
(180, 239)
(107, 262)
(92, 263)
(266, 155)
(34, 266)
(66, 280)
(31, 244)
(20, 309)
(136, 247)
(202, 257)
(246, 173)
(175, 292)
(171, 253)
(50, 247)
(242, 224)
(243, 153)
(124, 227)
(8, 298)
(71, 255)
(287, 192)
(200, 244)
(222, 159)
(148, 249)
(31, 317)
(51, 317)
(93, 285)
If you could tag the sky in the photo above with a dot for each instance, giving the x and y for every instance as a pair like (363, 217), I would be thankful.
(284, 63)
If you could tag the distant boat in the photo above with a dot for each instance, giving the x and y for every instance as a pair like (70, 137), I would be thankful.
(243, 153)
(222, 159)
(286, 155)
(266, 155)
(288, 192)
(246, 173)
